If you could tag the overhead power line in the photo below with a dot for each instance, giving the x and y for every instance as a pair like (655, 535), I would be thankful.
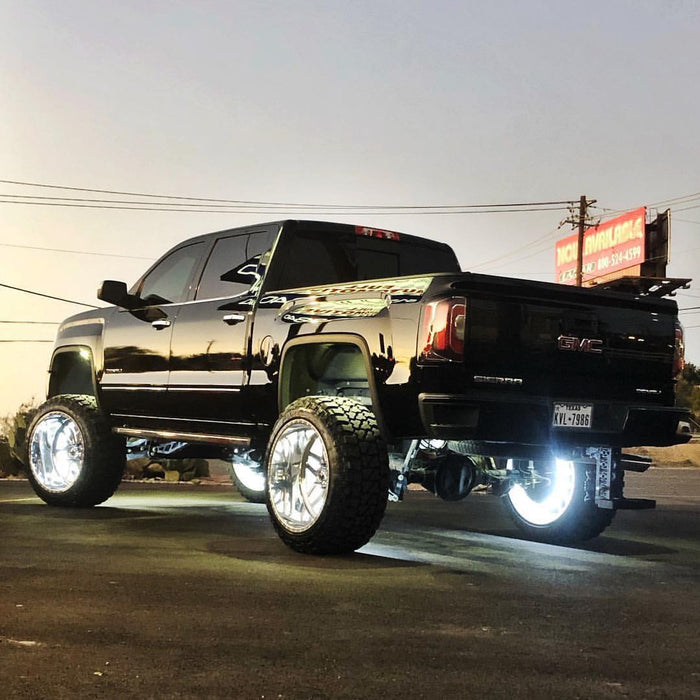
(47, 296)
(37, 323)
(235, 203)
(76, 252)
(664, 202)
(541, 244)
(674, 200)
(209, 204)
(315, 209)
(655, 205)
(695, 206)
(536, 242)
(257, 203)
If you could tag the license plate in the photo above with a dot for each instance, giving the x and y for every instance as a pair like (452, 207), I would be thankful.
(573, 415)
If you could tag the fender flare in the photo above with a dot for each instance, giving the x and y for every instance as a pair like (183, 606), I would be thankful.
(83, 382)
(357, 341)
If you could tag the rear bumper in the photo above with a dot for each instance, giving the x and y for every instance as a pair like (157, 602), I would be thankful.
(528, 421)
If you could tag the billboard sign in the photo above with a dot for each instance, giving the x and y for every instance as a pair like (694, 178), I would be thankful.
(608, 249)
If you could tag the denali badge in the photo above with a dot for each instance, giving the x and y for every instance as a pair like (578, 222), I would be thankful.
(570, 342)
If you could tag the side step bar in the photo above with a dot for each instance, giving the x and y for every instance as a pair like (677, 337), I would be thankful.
(184, 437)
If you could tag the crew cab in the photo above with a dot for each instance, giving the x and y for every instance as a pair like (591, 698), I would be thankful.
(335, 364)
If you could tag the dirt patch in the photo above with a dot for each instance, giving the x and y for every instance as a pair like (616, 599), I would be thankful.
(674, 456)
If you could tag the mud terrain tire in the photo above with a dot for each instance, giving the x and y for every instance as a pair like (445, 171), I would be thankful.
(327, 475)
(72, 457)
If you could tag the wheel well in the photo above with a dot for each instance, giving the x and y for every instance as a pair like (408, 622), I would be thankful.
(324, 369)
(72, 373)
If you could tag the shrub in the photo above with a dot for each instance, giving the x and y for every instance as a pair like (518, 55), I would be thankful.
(688, 389)
(14, 433)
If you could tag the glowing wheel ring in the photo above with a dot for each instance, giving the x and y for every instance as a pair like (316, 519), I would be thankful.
(548, 510)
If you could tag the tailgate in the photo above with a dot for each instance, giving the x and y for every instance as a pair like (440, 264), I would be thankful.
(569, 342)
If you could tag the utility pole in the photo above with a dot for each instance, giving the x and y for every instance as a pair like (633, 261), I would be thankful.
(583, 205)
(582, 211)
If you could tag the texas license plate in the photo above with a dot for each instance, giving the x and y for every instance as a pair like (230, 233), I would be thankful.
(573, 415)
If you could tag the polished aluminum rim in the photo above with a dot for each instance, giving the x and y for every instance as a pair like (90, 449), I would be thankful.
(56, 452)
(298, 475)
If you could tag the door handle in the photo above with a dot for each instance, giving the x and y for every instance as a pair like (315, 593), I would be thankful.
(233, 319)
(160, 324)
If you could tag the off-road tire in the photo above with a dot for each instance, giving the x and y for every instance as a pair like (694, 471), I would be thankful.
(581, 521)
(358, 475)
(104, 453)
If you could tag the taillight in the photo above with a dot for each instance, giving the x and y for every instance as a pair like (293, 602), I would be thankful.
(678, 351)
(442, 330)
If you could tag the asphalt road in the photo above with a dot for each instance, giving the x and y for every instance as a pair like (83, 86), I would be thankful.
(185, 592)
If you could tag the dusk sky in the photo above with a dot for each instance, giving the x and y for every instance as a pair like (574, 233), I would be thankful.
(359, 104)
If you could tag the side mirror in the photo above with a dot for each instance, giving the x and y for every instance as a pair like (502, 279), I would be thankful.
(116, 293)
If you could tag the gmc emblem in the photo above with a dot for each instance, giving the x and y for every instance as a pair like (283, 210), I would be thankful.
(570, 342)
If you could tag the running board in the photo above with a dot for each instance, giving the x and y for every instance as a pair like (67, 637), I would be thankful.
(184, 437)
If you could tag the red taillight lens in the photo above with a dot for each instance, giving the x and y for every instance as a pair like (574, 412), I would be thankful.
(678, 351)
(442, 330)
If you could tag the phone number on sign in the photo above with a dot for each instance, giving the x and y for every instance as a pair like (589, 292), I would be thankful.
(624, 257)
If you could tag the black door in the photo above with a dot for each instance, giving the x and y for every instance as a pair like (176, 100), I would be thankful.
(137, 342)
(210, 355)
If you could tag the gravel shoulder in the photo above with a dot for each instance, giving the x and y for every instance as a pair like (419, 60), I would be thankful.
(676, 456)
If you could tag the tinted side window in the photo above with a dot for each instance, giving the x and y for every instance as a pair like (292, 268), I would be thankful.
(233, 266)
(170, 280)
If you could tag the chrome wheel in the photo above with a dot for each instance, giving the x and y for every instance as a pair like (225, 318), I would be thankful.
(298, 475)
(547, 498)
(56, 452)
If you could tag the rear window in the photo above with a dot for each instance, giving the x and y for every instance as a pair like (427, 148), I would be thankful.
(316, 257)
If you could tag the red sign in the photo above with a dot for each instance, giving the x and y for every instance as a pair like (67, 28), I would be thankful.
(610, 247)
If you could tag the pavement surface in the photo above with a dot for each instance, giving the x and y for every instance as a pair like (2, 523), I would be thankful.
(182, 591)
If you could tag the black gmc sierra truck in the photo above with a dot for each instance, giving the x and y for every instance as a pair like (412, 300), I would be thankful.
(336, 364)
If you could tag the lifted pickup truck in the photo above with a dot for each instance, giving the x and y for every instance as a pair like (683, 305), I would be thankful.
(336, 364)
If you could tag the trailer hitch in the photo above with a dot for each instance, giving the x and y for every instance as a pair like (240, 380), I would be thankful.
(608, 486)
